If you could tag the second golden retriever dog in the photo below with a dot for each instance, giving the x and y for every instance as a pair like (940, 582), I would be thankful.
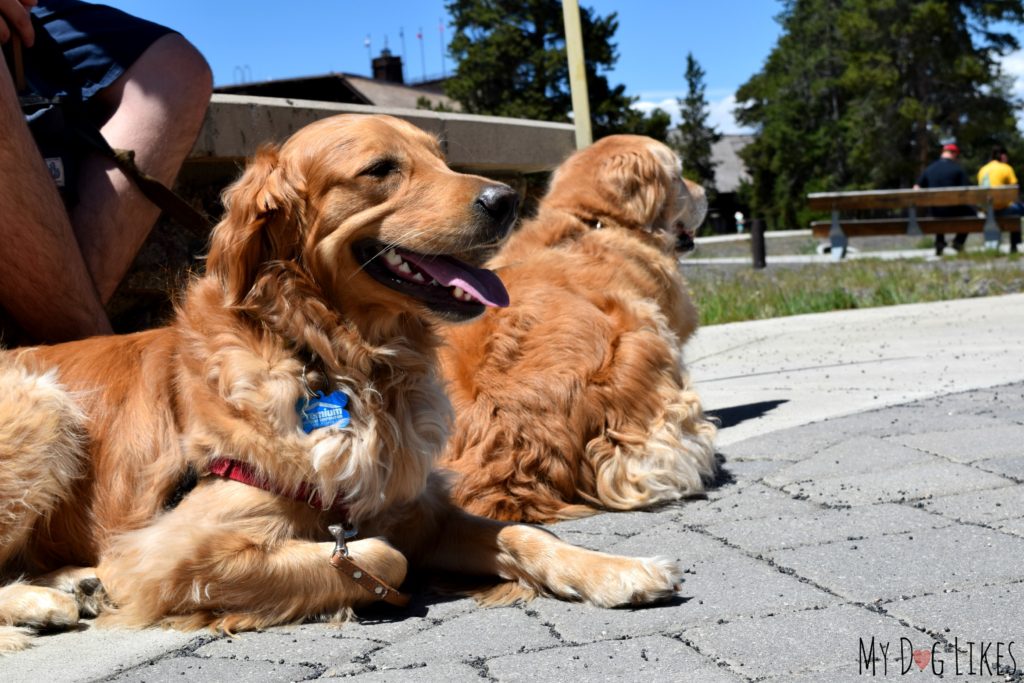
(574, 397)
(201, 470)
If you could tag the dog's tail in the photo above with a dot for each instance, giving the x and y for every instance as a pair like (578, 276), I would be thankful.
(671, 458)
(656, 445)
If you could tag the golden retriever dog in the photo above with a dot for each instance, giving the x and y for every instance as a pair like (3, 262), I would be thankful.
(574, 397)
(202, 469)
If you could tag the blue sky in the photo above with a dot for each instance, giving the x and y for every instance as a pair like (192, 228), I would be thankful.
(259, 39)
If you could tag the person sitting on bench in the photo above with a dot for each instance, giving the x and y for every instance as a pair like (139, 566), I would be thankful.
(997, 173)
(946, 172)
(146, 89)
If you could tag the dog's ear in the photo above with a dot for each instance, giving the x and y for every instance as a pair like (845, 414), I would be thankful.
(260, 224)
(639, 185)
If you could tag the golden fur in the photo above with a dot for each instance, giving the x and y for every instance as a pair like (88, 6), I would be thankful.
(96, 435)
(575, 397)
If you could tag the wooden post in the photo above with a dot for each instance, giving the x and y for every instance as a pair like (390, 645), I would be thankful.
(757, 250)
(577, 73)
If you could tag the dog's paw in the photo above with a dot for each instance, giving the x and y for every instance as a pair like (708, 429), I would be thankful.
(14, 639)
(658, 580)
(39, 608)
(81, 583)
(90, 597)
(624, 581)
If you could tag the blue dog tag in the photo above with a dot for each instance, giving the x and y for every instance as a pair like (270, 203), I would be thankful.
(323, 411)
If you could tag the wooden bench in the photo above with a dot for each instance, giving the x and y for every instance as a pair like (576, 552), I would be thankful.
(839, 229)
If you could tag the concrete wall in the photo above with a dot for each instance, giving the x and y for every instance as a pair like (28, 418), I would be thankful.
(237, 124)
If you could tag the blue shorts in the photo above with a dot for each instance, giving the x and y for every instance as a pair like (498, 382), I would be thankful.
(99, 42)
(80, 49)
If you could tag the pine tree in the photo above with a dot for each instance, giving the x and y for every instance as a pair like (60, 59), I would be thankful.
(858, 94)
(695, 137)
(510, 57)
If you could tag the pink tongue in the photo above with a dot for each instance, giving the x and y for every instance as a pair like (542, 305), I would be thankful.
(483, 285)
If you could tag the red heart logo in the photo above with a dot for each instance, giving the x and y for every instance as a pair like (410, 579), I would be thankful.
(922, 658)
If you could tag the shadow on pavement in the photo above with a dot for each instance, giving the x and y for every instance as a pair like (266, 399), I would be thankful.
(733, 415)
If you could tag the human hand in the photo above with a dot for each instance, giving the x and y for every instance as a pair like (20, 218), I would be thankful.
(14, 20)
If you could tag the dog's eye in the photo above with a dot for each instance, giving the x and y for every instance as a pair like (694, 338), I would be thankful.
(380, 168)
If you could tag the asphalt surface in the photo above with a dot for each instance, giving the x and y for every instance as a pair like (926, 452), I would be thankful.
(869, 522)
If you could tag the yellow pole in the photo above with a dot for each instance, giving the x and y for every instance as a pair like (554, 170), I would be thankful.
(577, 72)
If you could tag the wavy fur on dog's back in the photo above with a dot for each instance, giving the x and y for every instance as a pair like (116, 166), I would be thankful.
(575, 397)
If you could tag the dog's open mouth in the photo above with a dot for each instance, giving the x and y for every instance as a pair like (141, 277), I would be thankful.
(685, 241)
(447, 286)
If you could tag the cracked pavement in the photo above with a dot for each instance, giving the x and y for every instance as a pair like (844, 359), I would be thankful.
(869, 521)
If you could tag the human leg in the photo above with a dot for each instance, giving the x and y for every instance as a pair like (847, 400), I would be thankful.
(1015, 209)
(44, 282)
(156, 109)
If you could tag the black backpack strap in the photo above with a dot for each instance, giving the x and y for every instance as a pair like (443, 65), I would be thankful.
(18, 64)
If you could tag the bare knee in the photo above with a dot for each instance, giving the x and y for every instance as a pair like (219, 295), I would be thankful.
(184, 71)
(171, 72)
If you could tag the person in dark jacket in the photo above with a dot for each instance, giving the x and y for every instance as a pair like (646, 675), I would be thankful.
(946, 171)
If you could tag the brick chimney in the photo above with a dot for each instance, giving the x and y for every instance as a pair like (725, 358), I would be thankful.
(387, 67)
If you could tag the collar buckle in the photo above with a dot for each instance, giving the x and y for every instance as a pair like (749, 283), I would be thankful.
(342, 534)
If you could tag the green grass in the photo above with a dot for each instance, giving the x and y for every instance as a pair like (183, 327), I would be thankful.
(730, 295)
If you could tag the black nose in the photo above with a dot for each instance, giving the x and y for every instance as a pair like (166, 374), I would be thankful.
(500, 203)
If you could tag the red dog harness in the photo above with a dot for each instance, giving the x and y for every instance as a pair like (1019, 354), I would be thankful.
(236, 470)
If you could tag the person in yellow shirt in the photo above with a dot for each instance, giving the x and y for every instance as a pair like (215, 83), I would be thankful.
(997, 173)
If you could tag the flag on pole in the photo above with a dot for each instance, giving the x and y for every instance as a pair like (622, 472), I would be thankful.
(423, 57)
(444, 66)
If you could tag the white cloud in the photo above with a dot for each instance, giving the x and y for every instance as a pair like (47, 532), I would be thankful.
(667, 104)
(719, 109)
(1013, 66)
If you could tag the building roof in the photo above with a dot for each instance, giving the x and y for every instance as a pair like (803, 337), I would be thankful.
(344, 89)
(385, 94)
(730, 170)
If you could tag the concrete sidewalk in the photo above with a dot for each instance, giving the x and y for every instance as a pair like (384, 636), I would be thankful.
(785, 372)
(869, 522)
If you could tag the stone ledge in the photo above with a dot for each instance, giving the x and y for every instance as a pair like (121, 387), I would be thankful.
(237, 124)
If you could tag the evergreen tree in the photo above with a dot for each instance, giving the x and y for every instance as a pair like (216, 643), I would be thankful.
(510, 57)
(694, 136)
(858, 94)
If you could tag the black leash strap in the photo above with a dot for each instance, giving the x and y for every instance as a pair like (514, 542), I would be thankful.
(155, 191)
